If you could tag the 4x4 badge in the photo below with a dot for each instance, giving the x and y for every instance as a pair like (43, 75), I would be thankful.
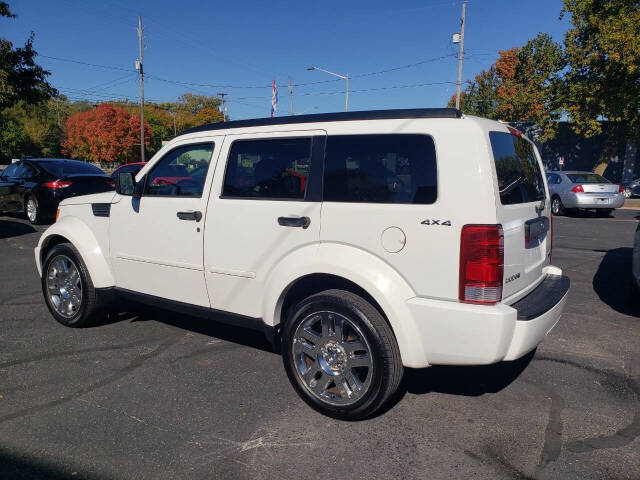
(444, 223)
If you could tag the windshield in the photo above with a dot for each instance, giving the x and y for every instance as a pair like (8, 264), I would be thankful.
(586, 178)
(63, 168)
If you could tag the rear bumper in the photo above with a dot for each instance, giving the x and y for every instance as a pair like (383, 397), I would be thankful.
(454, 333)
(590, 200)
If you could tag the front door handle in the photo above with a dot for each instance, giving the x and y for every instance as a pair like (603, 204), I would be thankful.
(302, 222)
(190, 215)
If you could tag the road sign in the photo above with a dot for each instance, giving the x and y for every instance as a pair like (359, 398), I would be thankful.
(561, 161)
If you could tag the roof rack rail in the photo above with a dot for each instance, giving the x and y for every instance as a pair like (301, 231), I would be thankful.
(332, 117)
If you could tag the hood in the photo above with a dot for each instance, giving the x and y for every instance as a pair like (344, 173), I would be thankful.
(103, 197)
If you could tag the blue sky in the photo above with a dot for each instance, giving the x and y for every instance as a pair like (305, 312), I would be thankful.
(225, 45)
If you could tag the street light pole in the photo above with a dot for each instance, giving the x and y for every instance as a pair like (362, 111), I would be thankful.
(344, 77)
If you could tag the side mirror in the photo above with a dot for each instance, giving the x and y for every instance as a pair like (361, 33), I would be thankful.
(125, 183)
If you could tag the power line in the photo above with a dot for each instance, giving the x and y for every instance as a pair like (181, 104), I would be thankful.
(110, 67)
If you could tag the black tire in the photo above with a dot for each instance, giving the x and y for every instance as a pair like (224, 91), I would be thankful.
(387, 369)
(604, 212)
(36, 218)
(91, 308)
(556, 206)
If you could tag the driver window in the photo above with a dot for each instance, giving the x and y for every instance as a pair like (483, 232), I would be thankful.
(181, 172)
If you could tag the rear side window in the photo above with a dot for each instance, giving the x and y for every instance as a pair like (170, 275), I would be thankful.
(586, 178)
(274, 168)
(518, 171)
(393, 168)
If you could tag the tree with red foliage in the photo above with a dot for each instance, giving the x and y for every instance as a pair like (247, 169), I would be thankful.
(104, 134)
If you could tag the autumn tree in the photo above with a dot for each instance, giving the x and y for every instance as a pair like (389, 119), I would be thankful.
(522, 85)
(104, 134)
(603, 79)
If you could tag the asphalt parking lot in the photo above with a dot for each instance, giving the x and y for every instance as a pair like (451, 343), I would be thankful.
(158, 395)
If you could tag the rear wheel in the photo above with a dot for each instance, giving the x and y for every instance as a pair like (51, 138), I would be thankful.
(556, 206)
(604, 212)
(32, 210)
(68, 289)
(341, 355)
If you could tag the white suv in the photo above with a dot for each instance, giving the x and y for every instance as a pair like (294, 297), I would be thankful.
(359, 242)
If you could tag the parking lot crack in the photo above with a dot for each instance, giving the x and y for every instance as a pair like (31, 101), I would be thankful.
(135, 364)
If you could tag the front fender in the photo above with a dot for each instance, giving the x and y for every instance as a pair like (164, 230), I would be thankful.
(363, 268)
(83, 239)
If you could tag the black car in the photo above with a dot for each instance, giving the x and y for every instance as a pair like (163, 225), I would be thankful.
(37, 186)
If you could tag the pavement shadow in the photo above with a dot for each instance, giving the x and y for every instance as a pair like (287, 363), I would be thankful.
(22, 467)
(217, 326)
(9, 229)
(612, 281)
(468, 381)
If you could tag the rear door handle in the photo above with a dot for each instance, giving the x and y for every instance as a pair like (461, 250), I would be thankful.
(190, 215)
(302, 222)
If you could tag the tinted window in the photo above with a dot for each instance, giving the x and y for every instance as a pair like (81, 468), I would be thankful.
(181, 172)
(586, 178)
(518, 171)
(552, 178)
(25, 170)
(380, 169)
(275, 168)
(10, 170)
(62, 168)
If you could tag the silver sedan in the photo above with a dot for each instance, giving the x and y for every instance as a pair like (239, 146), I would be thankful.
(583, 190)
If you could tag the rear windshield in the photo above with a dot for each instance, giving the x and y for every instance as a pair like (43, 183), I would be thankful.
(586, 178)
(518, 171)
(62, 168)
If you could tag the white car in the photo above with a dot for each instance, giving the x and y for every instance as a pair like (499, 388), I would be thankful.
(360, 242)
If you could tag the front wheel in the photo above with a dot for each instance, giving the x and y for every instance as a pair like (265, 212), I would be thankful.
(341, 355)
(68, 289)
(627, 192)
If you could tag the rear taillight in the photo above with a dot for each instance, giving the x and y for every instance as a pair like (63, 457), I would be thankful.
(481, 264)
(620, 189)
(111, 183)
(578, 189)
(58, 184)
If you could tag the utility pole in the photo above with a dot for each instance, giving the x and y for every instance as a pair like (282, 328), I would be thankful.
(224, 106)
(461, 54)
(291, 95)
(141, 75)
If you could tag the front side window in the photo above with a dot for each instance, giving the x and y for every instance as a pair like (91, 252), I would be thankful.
(274, 168)
(181, 172)
(393, 168)
(517, 169)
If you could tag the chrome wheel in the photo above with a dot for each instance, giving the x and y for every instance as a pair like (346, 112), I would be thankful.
(64, 286)
(627, 193)
(32, 210)
(555, 206)
(332, 358)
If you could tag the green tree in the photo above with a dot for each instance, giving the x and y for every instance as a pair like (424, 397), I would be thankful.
(603, 79)
(21, 79)
(479, 97)
(12, 139)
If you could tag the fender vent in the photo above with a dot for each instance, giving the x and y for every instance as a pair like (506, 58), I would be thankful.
(101, 209)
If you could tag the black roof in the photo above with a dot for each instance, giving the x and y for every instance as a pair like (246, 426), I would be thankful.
(332, 117)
